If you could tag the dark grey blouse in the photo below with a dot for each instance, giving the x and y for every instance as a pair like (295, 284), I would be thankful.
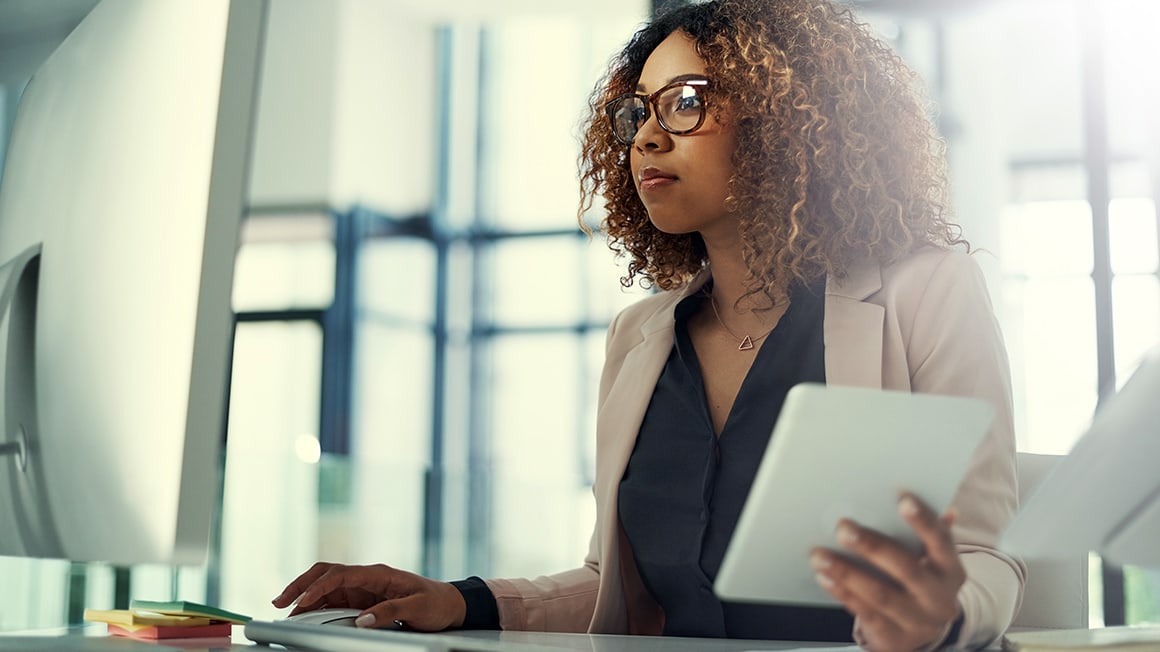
(683, 489)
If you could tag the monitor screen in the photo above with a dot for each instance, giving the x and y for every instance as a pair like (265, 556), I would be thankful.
(120, 209)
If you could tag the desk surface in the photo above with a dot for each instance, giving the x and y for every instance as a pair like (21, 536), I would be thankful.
(92, 638)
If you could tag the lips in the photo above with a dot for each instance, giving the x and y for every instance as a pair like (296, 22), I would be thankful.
(652, 178)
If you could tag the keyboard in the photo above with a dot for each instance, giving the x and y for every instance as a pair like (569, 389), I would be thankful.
(330, 638)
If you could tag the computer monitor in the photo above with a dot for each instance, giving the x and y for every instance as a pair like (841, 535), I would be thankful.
(1104, 496)
(120, 209)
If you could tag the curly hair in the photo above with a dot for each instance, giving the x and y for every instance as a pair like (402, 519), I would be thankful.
(837, 159)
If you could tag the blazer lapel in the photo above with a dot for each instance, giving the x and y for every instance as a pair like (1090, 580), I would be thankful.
(632, 390)
(852, 329)
(629, 397)
(617, 427)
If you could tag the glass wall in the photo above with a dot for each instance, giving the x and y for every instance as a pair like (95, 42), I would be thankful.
(473, 336)
(1049, 117)
(528, 294)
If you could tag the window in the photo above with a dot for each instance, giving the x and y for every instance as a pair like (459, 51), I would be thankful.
(534, 297)
(1059, 101)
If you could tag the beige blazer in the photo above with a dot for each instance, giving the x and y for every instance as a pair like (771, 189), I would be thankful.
(924, 324)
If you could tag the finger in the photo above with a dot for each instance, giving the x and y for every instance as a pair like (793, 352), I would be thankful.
(890, 617)
(930, 586)
(934, 532)
(878, 626)
(315, 606)
(300, 583)
(882, 552)
(875, 630)
(862, 591)
(407, 612)
(339, 582)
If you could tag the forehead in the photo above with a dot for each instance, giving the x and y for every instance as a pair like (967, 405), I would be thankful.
(676, 55)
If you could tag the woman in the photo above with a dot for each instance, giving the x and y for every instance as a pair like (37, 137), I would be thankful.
(765, 165)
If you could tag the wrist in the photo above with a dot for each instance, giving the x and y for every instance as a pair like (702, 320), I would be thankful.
(459, 605)
(949, 637)
(954, 631)
(480, 608)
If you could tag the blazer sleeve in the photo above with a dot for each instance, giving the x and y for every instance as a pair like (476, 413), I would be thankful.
(955, 348)
(566, 601)
(562, 602)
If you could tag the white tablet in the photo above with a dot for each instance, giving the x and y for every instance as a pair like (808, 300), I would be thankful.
(843, 452)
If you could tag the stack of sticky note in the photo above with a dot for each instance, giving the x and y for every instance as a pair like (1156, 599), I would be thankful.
(147, 619)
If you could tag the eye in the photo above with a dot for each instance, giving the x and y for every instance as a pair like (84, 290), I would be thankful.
(689, 102)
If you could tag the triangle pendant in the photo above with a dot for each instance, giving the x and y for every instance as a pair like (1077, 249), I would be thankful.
(746, 344)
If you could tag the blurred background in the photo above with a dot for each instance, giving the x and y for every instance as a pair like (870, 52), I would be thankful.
(411, 272)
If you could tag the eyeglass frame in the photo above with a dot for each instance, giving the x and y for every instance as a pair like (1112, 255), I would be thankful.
(650, 106)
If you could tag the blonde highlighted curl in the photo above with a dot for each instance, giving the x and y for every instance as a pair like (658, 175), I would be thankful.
(837, 159)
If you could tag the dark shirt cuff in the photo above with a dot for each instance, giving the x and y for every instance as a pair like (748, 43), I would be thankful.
(952, 638)
(482, 611)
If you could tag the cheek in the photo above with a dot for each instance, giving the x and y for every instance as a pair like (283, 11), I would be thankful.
(724, 169)
(716, 167)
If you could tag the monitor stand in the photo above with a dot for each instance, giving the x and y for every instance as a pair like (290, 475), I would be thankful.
(25, 516)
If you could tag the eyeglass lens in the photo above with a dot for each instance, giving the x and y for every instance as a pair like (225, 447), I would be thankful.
(680, 110)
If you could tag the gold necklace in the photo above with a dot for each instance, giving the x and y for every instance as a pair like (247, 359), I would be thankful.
(746, 342)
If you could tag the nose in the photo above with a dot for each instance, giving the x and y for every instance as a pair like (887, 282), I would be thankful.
(651, 136)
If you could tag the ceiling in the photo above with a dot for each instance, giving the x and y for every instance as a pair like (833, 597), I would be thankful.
(23, 20)
(25, 23)
(28, 20)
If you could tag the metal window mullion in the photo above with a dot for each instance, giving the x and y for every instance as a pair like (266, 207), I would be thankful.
(1099, 198)
(435, 481)
(480, 436)
(1096, 162)
(338, 338)
(435, 484)
(481, 399)
(76, 582)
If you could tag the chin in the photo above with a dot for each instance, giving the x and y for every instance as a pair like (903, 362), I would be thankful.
(669, 228)
(670, 225)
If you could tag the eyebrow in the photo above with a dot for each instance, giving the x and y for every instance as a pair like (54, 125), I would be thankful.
(678, 78)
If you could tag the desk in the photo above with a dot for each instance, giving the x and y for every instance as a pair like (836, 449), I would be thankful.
(612, 643)
(91, 638)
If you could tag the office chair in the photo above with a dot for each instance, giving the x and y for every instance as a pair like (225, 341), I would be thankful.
(1056, 593)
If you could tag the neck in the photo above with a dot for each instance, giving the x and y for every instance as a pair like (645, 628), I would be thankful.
(729, 288)
(745, 318)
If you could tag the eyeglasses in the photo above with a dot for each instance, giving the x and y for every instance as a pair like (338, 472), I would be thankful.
(680, 109)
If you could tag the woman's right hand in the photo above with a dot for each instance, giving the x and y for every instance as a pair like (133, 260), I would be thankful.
(385, 595)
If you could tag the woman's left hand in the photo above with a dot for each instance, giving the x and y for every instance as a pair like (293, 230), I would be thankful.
(915, 604)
